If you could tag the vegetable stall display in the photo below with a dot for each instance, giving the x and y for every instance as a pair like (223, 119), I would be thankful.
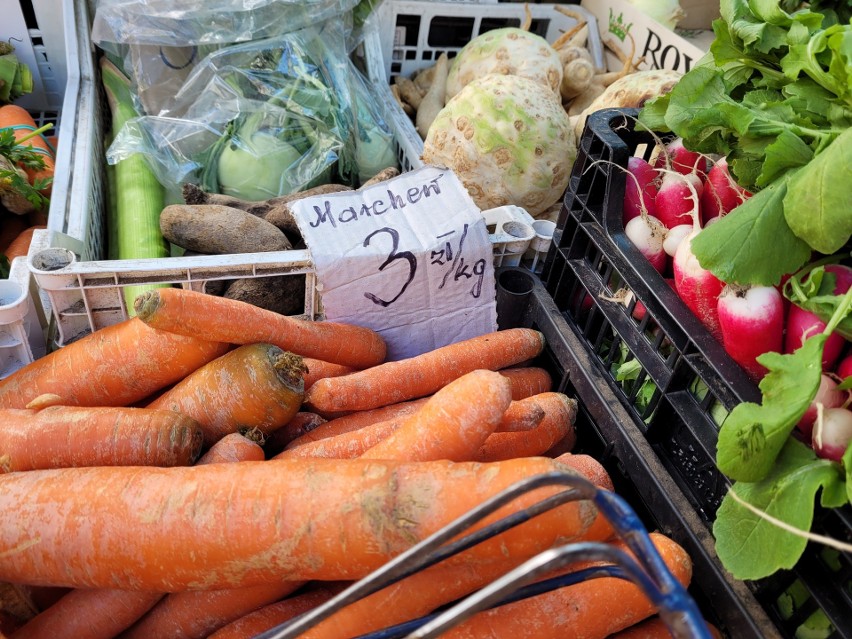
(396, 492)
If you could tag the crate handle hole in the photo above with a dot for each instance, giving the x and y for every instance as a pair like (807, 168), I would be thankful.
(52, 259)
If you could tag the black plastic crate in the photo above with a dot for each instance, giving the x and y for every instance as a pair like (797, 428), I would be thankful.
(672, 377)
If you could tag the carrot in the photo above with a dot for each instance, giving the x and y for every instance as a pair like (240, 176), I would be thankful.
(350, 444)
(114, 366)
(232, 448)
(591, 469)
(317, 369)
(528, 381)
(217, 318)
(591, 609)
(300, 426)
(654, 628)
(524, 382)
(104, 612)
(21, 244)
(270, 616)
(424, 374)
(557, 424)
(453, 424)
(233, 525)
(17, 118)
(255, 386)
(63, 436)
(358, 420)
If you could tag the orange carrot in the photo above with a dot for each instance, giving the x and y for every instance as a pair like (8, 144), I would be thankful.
(114, 366)
(318, 369)
(255, 386)
(300, 426)
(232, 448)
(453, 424)
(349, 445)
(654, 628)
(523, 381)
(270, 616)
(234, 525)
(588, 467)
(591, 609)
(21, 244)
(558, 423)
(217, 318)
(104, 612)
(17, 118)
(528, 381)
(424, 374)
(64, 436)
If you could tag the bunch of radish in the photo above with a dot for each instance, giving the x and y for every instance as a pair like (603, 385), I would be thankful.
(666, 205)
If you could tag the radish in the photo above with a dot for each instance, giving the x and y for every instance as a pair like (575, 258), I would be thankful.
(678, 157)
(647, 234)
(832, 433)
(828, 396)
(674, 203)
(639, 192)
(802, 323)
(844, 368)
(696, 286)
(674, 237)
(751, 319)
(721, 193)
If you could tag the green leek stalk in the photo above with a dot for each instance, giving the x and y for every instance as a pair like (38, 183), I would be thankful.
(139, 196)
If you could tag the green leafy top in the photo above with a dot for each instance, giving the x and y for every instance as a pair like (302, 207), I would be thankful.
(774, 95)
(18, 154)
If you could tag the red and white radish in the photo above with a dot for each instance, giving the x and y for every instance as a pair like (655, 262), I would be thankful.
(721, 193)
(639, 192)
(677, 157)
(802, 324)
(832, 433)
(647, 234)
(674, 202)
(696, 286)
(844, 368)
(751, 319)
(827, 395)
(674, 237)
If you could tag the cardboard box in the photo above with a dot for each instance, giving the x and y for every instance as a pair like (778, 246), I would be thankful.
(661, 47)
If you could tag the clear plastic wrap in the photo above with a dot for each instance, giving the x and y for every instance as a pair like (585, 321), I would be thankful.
(265, 118)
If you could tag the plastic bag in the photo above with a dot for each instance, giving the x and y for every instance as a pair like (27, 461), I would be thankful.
(265, 118)
(205, 22)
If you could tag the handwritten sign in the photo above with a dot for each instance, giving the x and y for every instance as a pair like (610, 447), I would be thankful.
(409, 257)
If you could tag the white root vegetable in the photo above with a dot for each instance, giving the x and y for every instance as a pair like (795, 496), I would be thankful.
(630, 91)
(507, 51)
(567, 54)
(423, 79)
(577, 75)
(508, 139)
(582, 101)
(433, 102)
(408, 91)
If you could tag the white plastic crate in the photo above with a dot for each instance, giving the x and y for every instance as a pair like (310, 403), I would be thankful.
(22, 321)
(412, 34)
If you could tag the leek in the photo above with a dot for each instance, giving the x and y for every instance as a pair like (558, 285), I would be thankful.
(139, 196)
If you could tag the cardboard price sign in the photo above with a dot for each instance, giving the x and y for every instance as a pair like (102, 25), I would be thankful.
(409, 257)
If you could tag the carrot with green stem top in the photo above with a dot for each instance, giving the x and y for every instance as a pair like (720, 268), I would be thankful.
(102, 613)
(115, 366)
(236, 525)
(424, 374)
(253, 387)
(65, 436)
(189, 312)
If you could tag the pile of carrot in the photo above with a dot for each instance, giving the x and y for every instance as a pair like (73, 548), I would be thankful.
(169, 477)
